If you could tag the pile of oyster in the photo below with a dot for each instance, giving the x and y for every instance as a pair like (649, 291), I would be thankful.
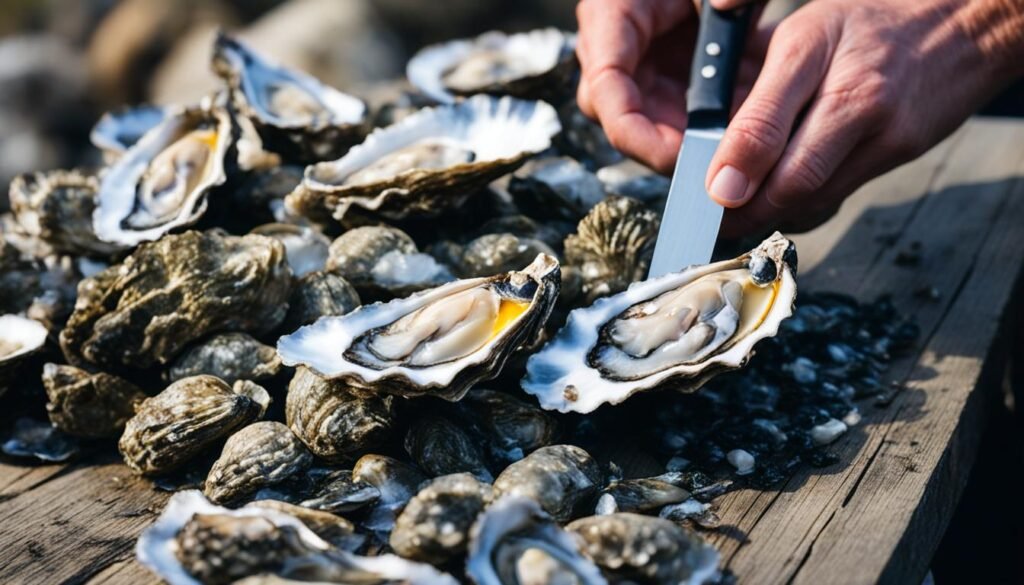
(378, 342)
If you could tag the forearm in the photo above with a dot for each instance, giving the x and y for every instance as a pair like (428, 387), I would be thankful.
(996, 28)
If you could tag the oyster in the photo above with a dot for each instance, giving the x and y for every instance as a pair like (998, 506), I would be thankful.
(117, 131)
(513, 427)
(319, 294)
(515, 539)
(295, 114)
(556, 188)
(535, 64)
(438, 342)
(259, 455)
(383, 262)
(613, 246)
(632, 179)
(397, 483)
(57, 207)
(40, 440)
(679, 329)
(20, 337)
(228, 356)
(335, 424)
(643, 549)
(185, 419)
(336, 530)
(561, 478)
(440, 447)
(639, 495)
(493, 253)
(430, 162)
(161, 183)
(168, 293)
(305, 248)
(340, 493)
(434, 526)
(89, 405)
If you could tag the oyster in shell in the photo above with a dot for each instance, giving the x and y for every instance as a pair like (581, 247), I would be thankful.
(643, 549)
(185, 419)
(438, 342)
(632, 179)
(440, 447)
(493, 253)
(428, 163)
(161, 183)
(319, 294)
(515, 539)
(561, 478)
(677, 330)
(513, 427)
(336, 530)
(259, 455)
(536, 64)
(169, 293)
(397, 483)
(119, 130)
(89, 405)
(643, 494)
(434, 526)
(20, 337)
(294, 113)
(228, 356)
(340, 493)
(305, 247)
(383, 262)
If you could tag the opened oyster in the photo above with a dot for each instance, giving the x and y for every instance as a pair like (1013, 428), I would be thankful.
(429, 162)
(438, 342)
(293, 112)
(536, 64)
(119, 130)
(161, 183)
(305, 247)
(20, 337)
(679, 329)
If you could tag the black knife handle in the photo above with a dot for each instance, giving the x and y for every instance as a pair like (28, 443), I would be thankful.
(716, 59)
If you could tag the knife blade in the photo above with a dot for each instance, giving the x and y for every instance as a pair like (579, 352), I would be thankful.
(690, 222)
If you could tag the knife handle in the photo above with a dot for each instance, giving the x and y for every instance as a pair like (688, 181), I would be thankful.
(716, 59)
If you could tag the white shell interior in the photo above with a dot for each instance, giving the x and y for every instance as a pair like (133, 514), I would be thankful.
(22, 334)
(492, 128)
(118, 131)
(536, 51)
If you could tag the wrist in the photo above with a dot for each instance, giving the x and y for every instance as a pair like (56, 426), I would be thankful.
(996, 28)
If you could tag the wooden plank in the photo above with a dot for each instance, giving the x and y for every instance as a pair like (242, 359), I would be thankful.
(778, 531)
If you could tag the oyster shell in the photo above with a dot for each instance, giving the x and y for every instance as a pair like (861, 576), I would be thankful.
(437, 342)
(397, 483)
(119, 130)
(334, 529)
(39, 440)
(169, 293)
(57, 207)
(515, 538)
(535, 64)
(428, 163)
(513, 426)
(228, 356)
(643, 494)
(335, 423)
(89, 405)
(340, 493)
(643, 549)
(383, 262)
(632, 179)
(20, 337)
(305, 247)
(440, 447)
(493, 253)
(679, 329)
(561, 478)
(319, 294)
(185, 419)
(295, 114)
(613, 246)
(434, 526)
(161, 183)
(259, 455)
(556, 188)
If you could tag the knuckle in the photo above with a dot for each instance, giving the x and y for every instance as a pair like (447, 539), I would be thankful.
(808, 172)
(759, 131)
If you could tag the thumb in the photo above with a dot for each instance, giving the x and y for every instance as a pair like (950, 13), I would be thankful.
(730, 4)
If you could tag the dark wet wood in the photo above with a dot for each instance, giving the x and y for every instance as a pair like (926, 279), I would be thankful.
(878, 515)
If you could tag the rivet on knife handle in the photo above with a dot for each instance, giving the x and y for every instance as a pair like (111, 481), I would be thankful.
(716, 59)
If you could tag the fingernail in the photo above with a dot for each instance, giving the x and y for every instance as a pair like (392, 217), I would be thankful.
(730, 184)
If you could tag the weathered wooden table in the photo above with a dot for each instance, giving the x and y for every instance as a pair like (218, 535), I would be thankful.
(878, 515)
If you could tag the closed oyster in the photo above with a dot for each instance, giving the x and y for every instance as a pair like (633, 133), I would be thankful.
(440, 447)
(305, 247)
(20, 337)
(259, 455)
(644, 549)
(515, 541)
(536, 64)
(434, 526)
(335, 423)
(513, 426)
(340, 493)
(613, 246)
(89, 405)
(643, 494)
(397, 483)
(556, 188)
(228, 356)
(295, 114)
(57, 207)
(319, 294)
(561, 478)
(679, 330)
(185, 419)
(168, 293)
(632, 179)
(428, 163)
(161, 183)
(438, 342)
(119, 130)
(493, 253)
(383, 262)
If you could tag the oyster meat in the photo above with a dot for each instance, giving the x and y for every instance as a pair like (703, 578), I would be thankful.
(294, 113)
(161, 183)
(228, 356)
(679, 329)
(438, 342)
(561, 478)
(535, 64)
(89, 405)
(168, 293)
(428, 163)
(259, 455)
(434, 526)
(20, 337)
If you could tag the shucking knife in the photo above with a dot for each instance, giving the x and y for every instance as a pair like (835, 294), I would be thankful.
(689, 226)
